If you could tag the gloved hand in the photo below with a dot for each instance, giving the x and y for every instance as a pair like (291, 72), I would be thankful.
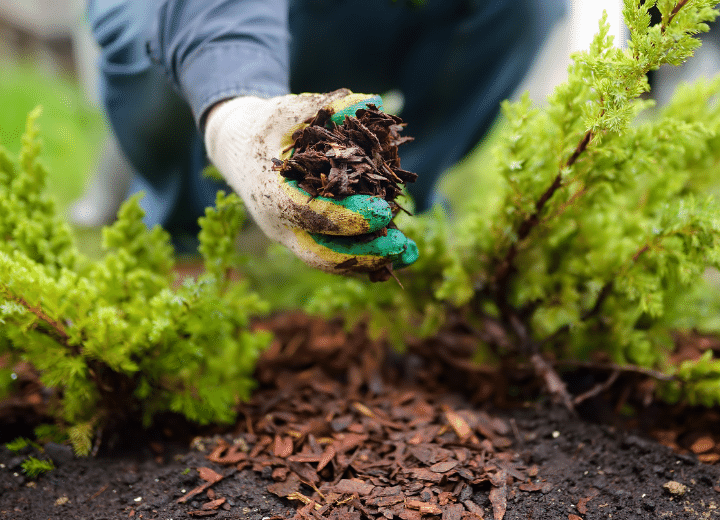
(244, 134)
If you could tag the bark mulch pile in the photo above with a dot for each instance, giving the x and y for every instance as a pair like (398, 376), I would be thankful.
(363, 448)
(341, 428)
(358, 157)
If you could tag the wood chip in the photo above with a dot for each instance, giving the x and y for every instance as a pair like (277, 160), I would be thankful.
(703, 444)
(444, 467)
(453, 512)
(474, 508)
(709, 458)
(498, 499)
(224, 454)
(425, 474)
(327, 456)
(285, 488)
(282, 446)
(209, 475)
(424, 507)
(353, 486)
(213, 505)
(459, 425)
(582, 505)
(530, 487)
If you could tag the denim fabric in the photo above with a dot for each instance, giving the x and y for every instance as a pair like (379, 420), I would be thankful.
(151, 121)
(453, 60)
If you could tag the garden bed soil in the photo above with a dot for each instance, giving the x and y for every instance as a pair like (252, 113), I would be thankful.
(341, 428)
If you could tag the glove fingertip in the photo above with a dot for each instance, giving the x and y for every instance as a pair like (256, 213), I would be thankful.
(409, 256)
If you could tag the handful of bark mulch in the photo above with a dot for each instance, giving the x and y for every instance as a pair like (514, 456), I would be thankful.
(358, 157)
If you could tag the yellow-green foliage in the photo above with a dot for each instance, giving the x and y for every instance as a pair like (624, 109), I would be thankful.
(34, 467)
(606, 226)
(114, 336)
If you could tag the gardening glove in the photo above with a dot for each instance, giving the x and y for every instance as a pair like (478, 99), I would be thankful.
(244, 134)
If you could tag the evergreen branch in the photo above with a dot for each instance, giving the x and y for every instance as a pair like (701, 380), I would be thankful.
(526, 226)
(673, 13)
(506, 267)
(56, 329)
(644, 249)
(581, 147)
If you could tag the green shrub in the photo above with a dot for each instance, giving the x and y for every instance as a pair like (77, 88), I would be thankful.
(605, 226)
(114, 336)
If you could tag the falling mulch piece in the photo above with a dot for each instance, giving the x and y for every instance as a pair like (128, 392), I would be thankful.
(357, 157)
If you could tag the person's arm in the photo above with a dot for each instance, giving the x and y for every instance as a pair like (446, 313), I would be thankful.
(230, 59)
(219, 49)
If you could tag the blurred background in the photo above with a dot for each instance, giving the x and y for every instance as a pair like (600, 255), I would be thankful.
(48, 58)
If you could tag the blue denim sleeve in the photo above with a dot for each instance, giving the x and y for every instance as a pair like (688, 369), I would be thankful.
(217, 49)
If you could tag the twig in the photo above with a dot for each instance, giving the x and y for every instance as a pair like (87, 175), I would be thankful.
(673, 13)
(555, 385)
(630, 369)
(581, 147)
(99, 492)
(57, 330)
(597, 389)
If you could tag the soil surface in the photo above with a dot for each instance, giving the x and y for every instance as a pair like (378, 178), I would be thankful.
(340, 428)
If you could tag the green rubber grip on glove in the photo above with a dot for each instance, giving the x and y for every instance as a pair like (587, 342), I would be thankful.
(395, 246)
(351, 104)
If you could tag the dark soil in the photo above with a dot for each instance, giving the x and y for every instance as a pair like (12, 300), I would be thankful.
(342, 429)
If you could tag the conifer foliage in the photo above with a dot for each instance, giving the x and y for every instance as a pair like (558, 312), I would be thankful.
(113, 337)
(604, 229)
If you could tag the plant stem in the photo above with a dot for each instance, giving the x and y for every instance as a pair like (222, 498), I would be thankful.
(673, 13)
(57, 331)
(506, 267)
(614, 367)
